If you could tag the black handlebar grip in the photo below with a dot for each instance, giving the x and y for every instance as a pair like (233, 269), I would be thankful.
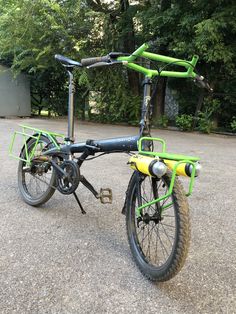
(89, 61)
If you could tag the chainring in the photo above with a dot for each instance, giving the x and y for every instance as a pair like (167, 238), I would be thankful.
(69, 183)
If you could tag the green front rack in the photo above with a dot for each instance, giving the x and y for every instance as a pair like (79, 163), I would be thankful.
(180, 159)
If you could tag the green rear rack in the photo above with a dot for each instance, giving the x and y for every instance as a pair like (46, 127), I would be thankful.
(27, 133)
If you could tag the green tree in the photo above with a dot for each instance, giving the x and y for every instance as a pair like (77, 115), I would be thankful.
(83, 28)
(44, 28)
(198, 27)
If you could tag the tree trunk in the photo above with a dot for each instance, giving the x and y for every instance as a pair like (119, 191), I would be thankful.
(160, 92)
(129, 45)
(158, 101)
(198, 108)
(83, 109)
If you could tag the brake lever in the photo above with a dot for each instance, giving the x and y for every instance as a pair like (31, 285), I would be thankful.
(201, 82)
(209, 88)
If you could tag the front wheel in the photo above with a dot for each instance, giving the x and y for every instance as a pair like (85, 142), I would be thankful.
(159, 238)
(36, 182)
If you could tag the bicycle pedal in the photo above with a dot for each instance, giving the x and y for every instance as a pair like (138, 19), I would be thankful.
(105, 196)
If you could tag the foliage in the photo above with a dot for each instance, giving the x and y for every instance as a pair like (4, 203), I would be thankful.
(162, 122)
(198, 27)
(83, 28)
(114, 102)
(205, 124)
(205, 118)
(233, 124)
(184, 122)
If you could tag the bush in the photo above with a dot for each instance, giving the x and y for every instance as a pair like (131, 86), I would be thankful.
(233, 124)
(184, 122)
(205, 123)
(161, 122)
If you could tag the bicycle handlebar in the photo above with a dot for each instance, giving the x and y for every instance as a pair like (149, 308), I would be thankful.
(113, 58)
(128, 61)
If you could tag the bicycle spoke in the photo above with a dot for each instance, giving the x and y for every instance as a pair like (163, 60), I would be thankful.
(166, 233)
(155, 238)
(147, 235)
(163, 246)
(167, 225)
(36, 180)
(168, 216)
(165, 200)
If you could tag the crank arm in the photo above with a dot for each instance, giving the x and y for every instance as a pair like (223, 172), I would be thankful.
(89, 186)
(58, 169)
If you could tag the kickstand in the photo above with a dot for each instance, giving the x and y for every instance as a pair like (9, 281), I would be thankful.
(80, 205)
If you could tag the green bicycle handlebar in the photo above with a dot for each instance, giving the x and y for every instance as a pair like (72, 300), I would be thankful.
(141, 52)
(128, 61)
(137, 53)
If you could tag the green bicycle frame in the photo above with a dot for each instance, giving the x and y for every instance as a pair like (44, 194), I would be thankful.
(149, 73)
(140, 52)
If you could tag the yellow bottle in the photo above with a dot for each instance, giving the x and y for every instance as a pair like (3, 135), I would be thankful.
(148, 165)
(154, 167)
(183, 169)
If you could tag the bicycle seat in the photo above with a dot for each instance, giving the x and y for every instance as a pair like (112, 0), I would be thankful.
(67, 61)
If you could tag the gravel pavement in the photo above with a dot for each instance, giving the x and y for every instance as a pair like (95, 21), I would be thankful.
(53, 259)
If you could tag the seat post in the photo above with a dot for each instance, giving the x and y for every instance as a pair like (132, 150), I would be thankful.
(70, 134)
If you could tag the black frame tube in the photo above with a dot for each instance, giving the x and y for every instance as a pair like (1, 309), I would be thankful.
(146, 108)
(122, 144)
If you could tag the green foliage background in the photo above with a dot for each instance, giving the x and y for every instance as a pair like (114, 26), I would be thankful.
(32, 32)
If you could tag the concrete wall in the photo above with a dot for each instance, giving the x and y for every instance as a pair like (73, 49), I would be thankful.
(14, 94)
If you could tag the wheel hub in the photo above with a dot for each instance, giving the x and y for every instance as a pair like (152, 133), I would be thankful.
(146, 218)
(40, 169)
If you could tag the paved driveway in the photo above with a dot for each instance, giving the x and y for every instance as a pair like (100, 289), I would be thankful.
(55, 260)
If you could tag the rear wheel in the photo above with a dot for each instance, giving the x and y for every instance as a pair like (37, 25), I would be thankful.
(36, 182)
(159, 242)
